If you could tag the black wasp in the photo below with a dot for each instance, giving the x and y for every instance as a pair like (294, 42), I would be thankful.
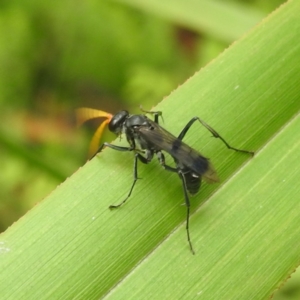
(146, 138)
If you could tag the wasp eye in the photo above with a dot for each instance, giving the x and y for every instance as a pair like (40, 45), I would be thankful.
(116, 123)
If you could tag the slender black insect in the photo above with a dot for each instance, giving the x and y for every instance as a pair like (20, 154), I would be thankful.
(147, 138)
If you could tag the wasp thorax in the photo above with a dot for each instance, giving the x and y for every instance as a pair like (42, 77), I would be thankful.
(136, 121)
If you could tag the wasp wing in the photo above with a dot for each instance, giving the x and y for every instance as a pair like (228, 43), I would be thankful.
(183, 154)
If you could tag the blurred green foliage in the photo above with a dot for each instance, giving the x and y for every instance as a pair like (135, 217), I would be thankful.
(85, 47)
(59, 55)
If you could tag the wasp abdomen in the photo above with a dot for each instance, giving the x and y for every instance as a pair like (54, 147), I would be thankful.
(193, 182)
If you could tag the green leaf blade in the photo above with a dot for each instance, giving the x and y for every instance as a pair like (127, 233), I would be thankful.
(224, 21)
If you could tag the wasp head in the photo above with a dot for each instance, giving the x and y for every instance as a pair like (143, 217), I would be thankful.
(116, 123)
(85, 114)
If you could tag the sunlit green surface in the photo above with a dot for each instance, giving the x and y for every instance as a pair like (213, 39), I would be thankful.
(226, 21)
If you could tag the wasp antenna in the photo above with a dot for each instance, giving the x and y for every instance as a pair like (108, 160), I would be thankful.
(94, 145)
(84, 114)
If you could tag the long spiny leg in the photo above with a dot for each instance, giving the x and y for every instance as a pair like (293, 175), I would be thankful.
(161, 159)
(214, 133)
(156, 114)
(118, 148)
(187, 203)
(135, 173)
(135, 177)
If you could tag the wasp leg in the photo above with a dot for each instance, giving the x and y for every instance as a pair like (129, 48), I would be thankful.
(161, 159)
(135, 173)
(156, 114)
(135, 177)
(118, 148)
(187, 203)
(214, 133)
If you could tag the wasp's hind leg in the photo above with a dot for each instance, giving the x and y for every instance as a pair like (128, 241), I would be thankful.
(214, 133)
(161, 159)
(187, 204)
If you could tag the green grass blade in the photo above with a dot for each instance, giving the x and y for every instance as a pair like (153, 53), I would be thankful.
(72, 247)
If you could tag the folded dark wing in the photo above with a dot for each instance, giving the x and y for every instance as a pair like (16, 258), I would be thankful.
(184, 155)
